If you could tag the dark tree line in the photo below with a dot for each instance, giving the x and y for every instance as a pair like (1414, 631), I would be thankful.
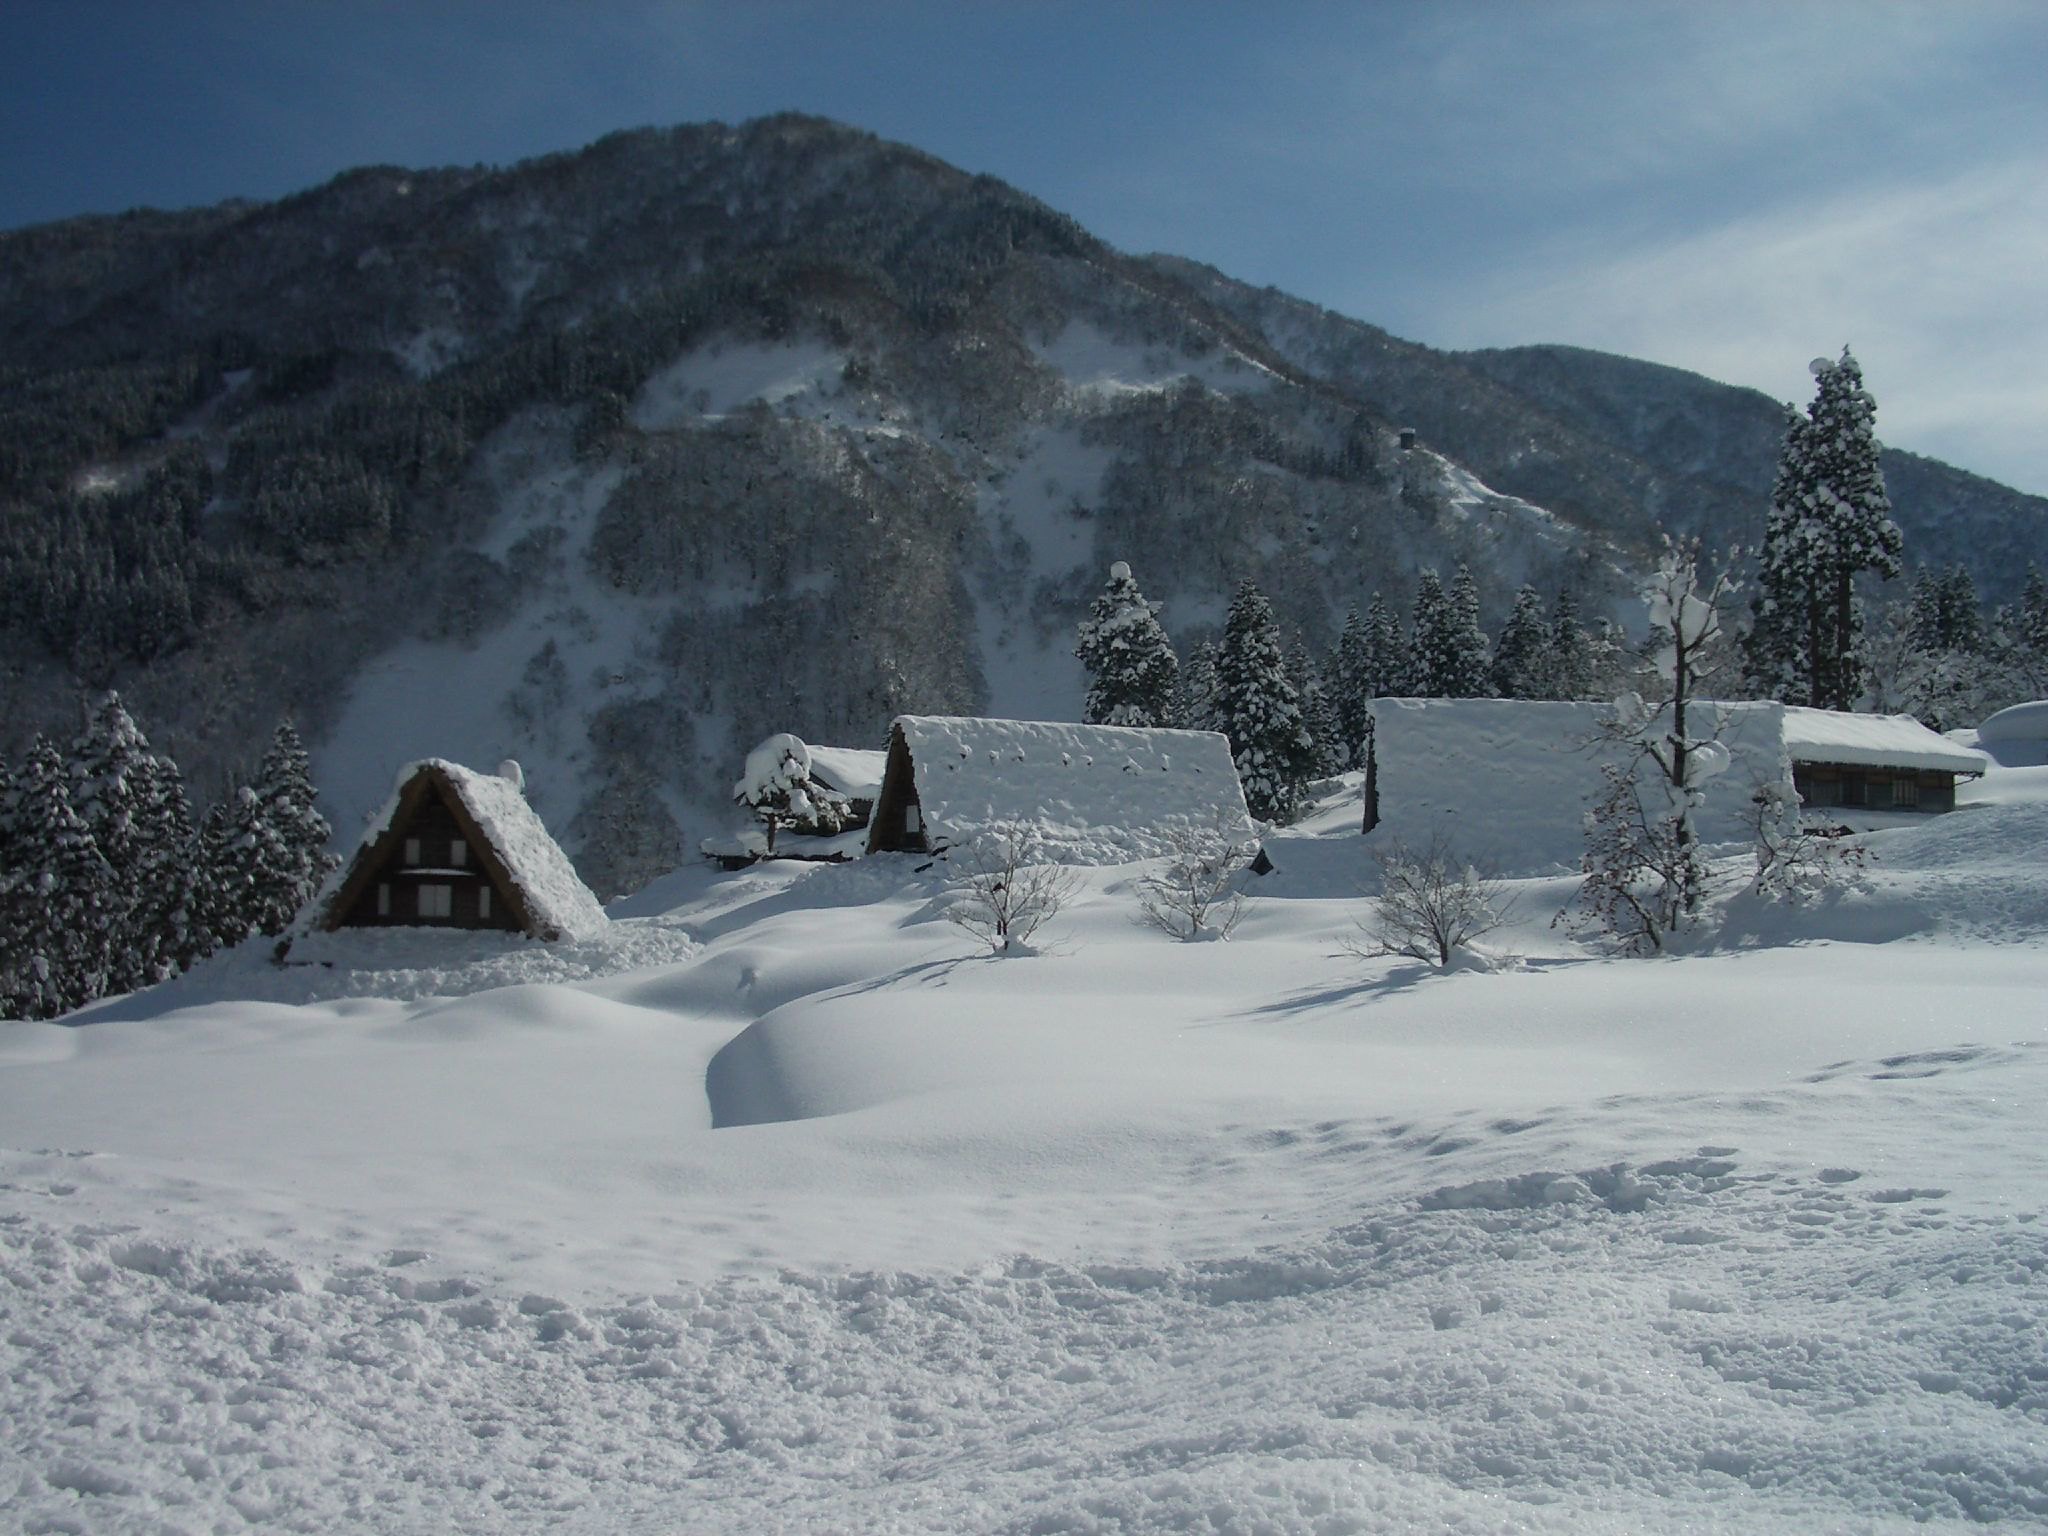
(107, 882)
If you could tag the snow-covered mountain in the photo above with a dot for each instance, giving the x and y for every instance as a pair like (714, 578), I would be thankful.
(617, 461)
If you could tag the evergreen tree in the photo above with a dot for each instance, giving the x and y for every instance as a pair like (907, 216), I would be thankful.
(1258, 709)
(1194, 705)
(1571, 651)
(222, 908)
(1386, 667)
(1522, 659)
(280, 836)
(1353, 678)
(1447, 648)
(1317, 714)
(60, 903)
(1830, 520)
(133, 802)
(1131, 666)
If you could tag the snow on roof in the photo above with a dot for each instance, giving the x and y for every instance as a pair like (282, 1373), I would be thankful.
(1872, 741)
(2017, 722)
(1508, 782)
(557, 900)
(1095, 794)
(851, 771)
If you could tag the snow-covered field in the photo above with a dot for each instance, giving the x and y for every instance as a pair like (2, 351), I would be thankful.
(782, 1209)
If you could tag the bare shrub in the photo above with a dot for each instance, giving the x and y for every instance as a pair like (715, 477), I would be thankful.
(1002, 893)
(1796, 862)
(1431, 905)
(1197, 894)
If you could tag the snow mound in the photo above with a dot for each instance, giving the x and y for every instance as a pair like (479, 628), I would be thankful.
(407, 964)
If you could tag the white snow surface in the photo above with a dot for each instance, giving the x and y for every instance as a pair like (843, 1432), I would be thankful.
(1877, 741)
(2017, 735)
(1091, 794)
(556, 897)
(855, 772)
(790, 1213)
(1508, 782)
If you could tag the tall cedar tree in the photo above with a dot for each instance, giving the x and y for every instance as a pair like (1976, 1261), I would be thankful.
(1387, 655)
(1131, 666)
(1194, 704)
(60, 902)
(1830, 520)
(1447, 648)
(1522, 656)
(1571, 651)
(1352, 688)
(280, 836)
(1317, 713)
(1258, 709)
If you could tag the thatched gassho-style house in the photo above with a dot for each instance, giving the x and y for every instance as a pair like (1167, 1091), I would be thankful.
(454, 848)
(1087, 794)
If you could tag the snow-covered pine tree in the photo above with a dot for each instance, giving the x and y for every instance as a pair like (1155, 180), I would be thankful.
(1317, 715)
(1352, 676)
(1386, 653)
(60, 906)
(223, 911)
(1131, 666)
(133, 802)
(1429, 625)
(281, 836)
(1473, 671)
(1447, 648)
(1257, 708)
(2023, 637)
(1571, 651)
(1830, 520)
(1194, 703)
(777, 787)
(1522, 660)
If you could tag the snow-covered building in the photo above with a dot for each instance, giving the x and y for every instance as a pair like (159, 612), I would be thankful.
(1085, 794)
(820, 797)
(454, 848)
(2017, 736)
(1508, 782)
(1874, 762)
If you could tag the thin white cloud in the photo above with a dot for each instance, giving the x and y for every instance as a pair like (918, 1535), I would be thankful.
(1940, 286)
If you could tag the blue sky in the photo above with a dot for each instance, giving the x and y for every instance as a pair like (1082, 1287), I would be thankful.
(1728, 187)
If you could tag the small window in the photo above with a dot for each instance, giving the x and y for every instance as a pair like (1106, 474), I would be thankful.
(437, 900)
(913, 819)
(1906, 792)
(383, 900)
(483, 901)
(458, 854)
(412, 850)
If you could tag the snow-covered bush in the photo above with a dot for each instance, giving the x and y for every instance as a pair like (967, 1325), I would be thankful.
(1197, 893)
(1646, 877)
(1432, 904)
(1796, 862)
(1002, 891)
(778, 788)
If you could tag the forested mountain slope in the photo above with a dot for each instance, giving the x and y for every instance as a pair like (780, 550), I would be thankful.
(616, 461)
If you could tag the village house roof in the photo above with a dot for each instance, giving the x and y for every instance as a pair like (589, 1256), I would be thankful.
(854, 772)
(1090, 794)
(1872, 741)
(527, 866)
